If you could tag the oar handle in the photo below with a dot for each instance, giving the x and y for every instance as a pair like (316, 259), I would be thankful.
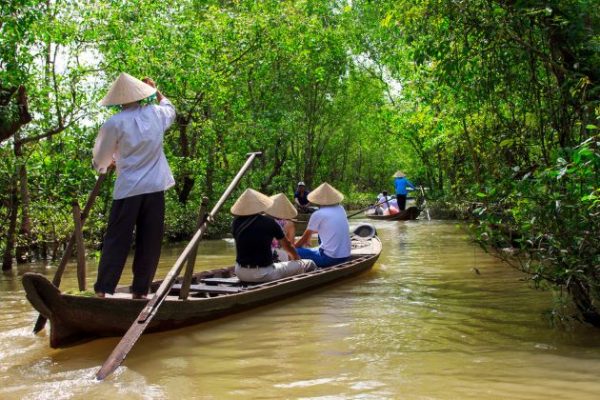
(234, 182)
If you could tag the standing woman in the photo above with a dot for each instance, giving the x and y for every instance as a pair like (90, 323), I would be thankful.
(133, 140)
(400, 184)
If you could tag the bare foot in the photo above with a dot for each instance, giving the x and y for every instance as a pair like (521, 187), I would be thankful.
(100, 294)
(138, 296)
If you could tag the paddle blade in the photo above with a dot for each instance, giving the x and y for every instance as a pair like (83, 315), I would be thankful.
(120, 352)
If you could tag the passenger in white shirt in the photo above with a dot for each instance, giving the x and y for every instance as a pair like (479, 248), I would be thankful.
(389, 206)
(132, 140)
(331, 224)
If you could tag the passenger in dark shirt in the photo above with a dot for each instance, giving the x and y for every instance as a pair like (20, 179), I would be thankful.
(253, 244)
(301, 198)
(253, 234)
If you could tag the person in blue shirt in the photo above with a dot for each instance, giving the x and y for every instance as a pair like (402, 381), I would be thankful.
(401, 184)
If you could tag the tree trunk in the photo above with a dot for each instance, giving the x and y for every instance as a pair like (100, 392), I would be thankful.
(440, 170)
(473, 151)
(13, 206)
(580, 292)
(277, 164)
(185, 182)
(10, 128)
(25, 228)
(210, 172)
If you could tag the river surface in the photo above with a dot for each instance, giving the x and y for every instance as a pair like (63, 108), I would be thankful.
(421, 325)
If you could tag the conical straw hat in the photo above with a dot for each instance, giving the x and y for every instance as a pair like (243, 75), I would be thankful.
(251, 202)
(399, 174)
(325, 195)
(126, 89)
(281, 208)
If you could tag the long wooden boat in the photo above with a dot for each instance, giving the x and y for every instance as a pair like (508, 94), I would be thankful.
(408, 214)
(300, 223)
(213, 294)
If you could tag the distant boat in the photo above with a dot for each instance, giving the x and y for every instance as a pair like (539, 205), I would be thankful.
(408, 214)
(300, 223)
(213, 294)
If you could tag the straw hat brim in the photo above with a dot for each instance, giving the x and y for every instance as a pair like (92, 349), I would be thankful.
(282, 208)
(325, 195)
(251, 202)
(399, 174)
(126, 89)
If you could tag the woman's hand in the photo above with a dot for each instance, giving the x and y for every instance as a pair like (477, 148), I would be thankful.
(149, 81)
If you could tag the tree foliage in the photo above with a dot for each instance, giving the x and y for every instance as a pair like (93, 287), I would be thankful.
(491, 104)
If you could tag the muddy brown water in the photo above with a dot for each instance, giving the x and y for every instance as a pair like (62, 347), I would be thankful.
(421, 325)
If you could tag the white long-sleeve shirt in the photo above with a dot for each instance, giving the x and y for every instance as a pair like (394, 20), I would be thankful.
(133, 138)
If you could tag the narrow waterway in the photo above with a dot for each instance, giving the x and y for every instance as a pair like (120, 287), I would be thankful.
(421, 325)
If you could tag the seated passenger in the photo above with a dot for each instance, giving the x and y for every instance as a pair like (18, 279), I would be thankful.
(301, 198)
(377, 209)
(253, 234)
(282, 211)
(388, 204)
(331, 223)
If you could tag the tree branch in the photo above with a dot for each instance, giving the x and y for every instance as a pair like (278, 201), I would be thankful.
(23, 118)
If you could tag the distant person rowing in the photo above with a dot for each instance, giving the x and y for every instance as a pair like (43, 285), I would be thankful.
(401, 184)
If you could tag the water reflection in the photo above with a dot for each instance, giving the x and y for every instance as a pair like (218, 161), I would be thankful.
(422, 324)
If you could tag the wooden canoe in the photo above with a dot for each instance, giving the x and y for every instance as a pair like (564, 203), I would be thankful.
(216, 293)
(408, 214)
(300, 223)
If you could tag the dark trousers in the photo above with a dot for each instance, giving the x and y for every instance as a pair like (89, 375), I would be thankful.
(145, 212)
(401, 198)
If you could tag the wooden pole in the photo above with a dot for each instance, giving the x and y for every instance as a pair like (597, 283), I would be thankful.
(80, 246)
(191, 261)
(41, 321)
(366, 208)
(149, 311)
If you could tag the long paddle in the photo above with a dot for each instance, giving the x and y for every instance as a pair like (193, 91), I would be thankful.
(366, 208)
(149, 311)
(41, 321)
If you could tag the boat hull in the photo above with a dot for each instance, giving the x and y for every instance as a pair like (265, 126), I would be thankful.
(300, 223)
(406, 215)
(75, 319)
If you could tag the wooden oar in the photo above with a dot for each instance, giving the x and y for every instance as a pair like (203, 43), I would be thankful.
(147, 314)
(366, 208)
(41, 321)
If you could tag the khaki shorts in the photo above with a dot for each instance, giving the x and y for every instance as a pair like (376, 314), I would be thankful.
(274, 271)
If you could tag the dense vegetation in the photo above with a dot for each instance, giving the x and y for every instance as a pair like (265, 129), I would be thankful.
(493, 105)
